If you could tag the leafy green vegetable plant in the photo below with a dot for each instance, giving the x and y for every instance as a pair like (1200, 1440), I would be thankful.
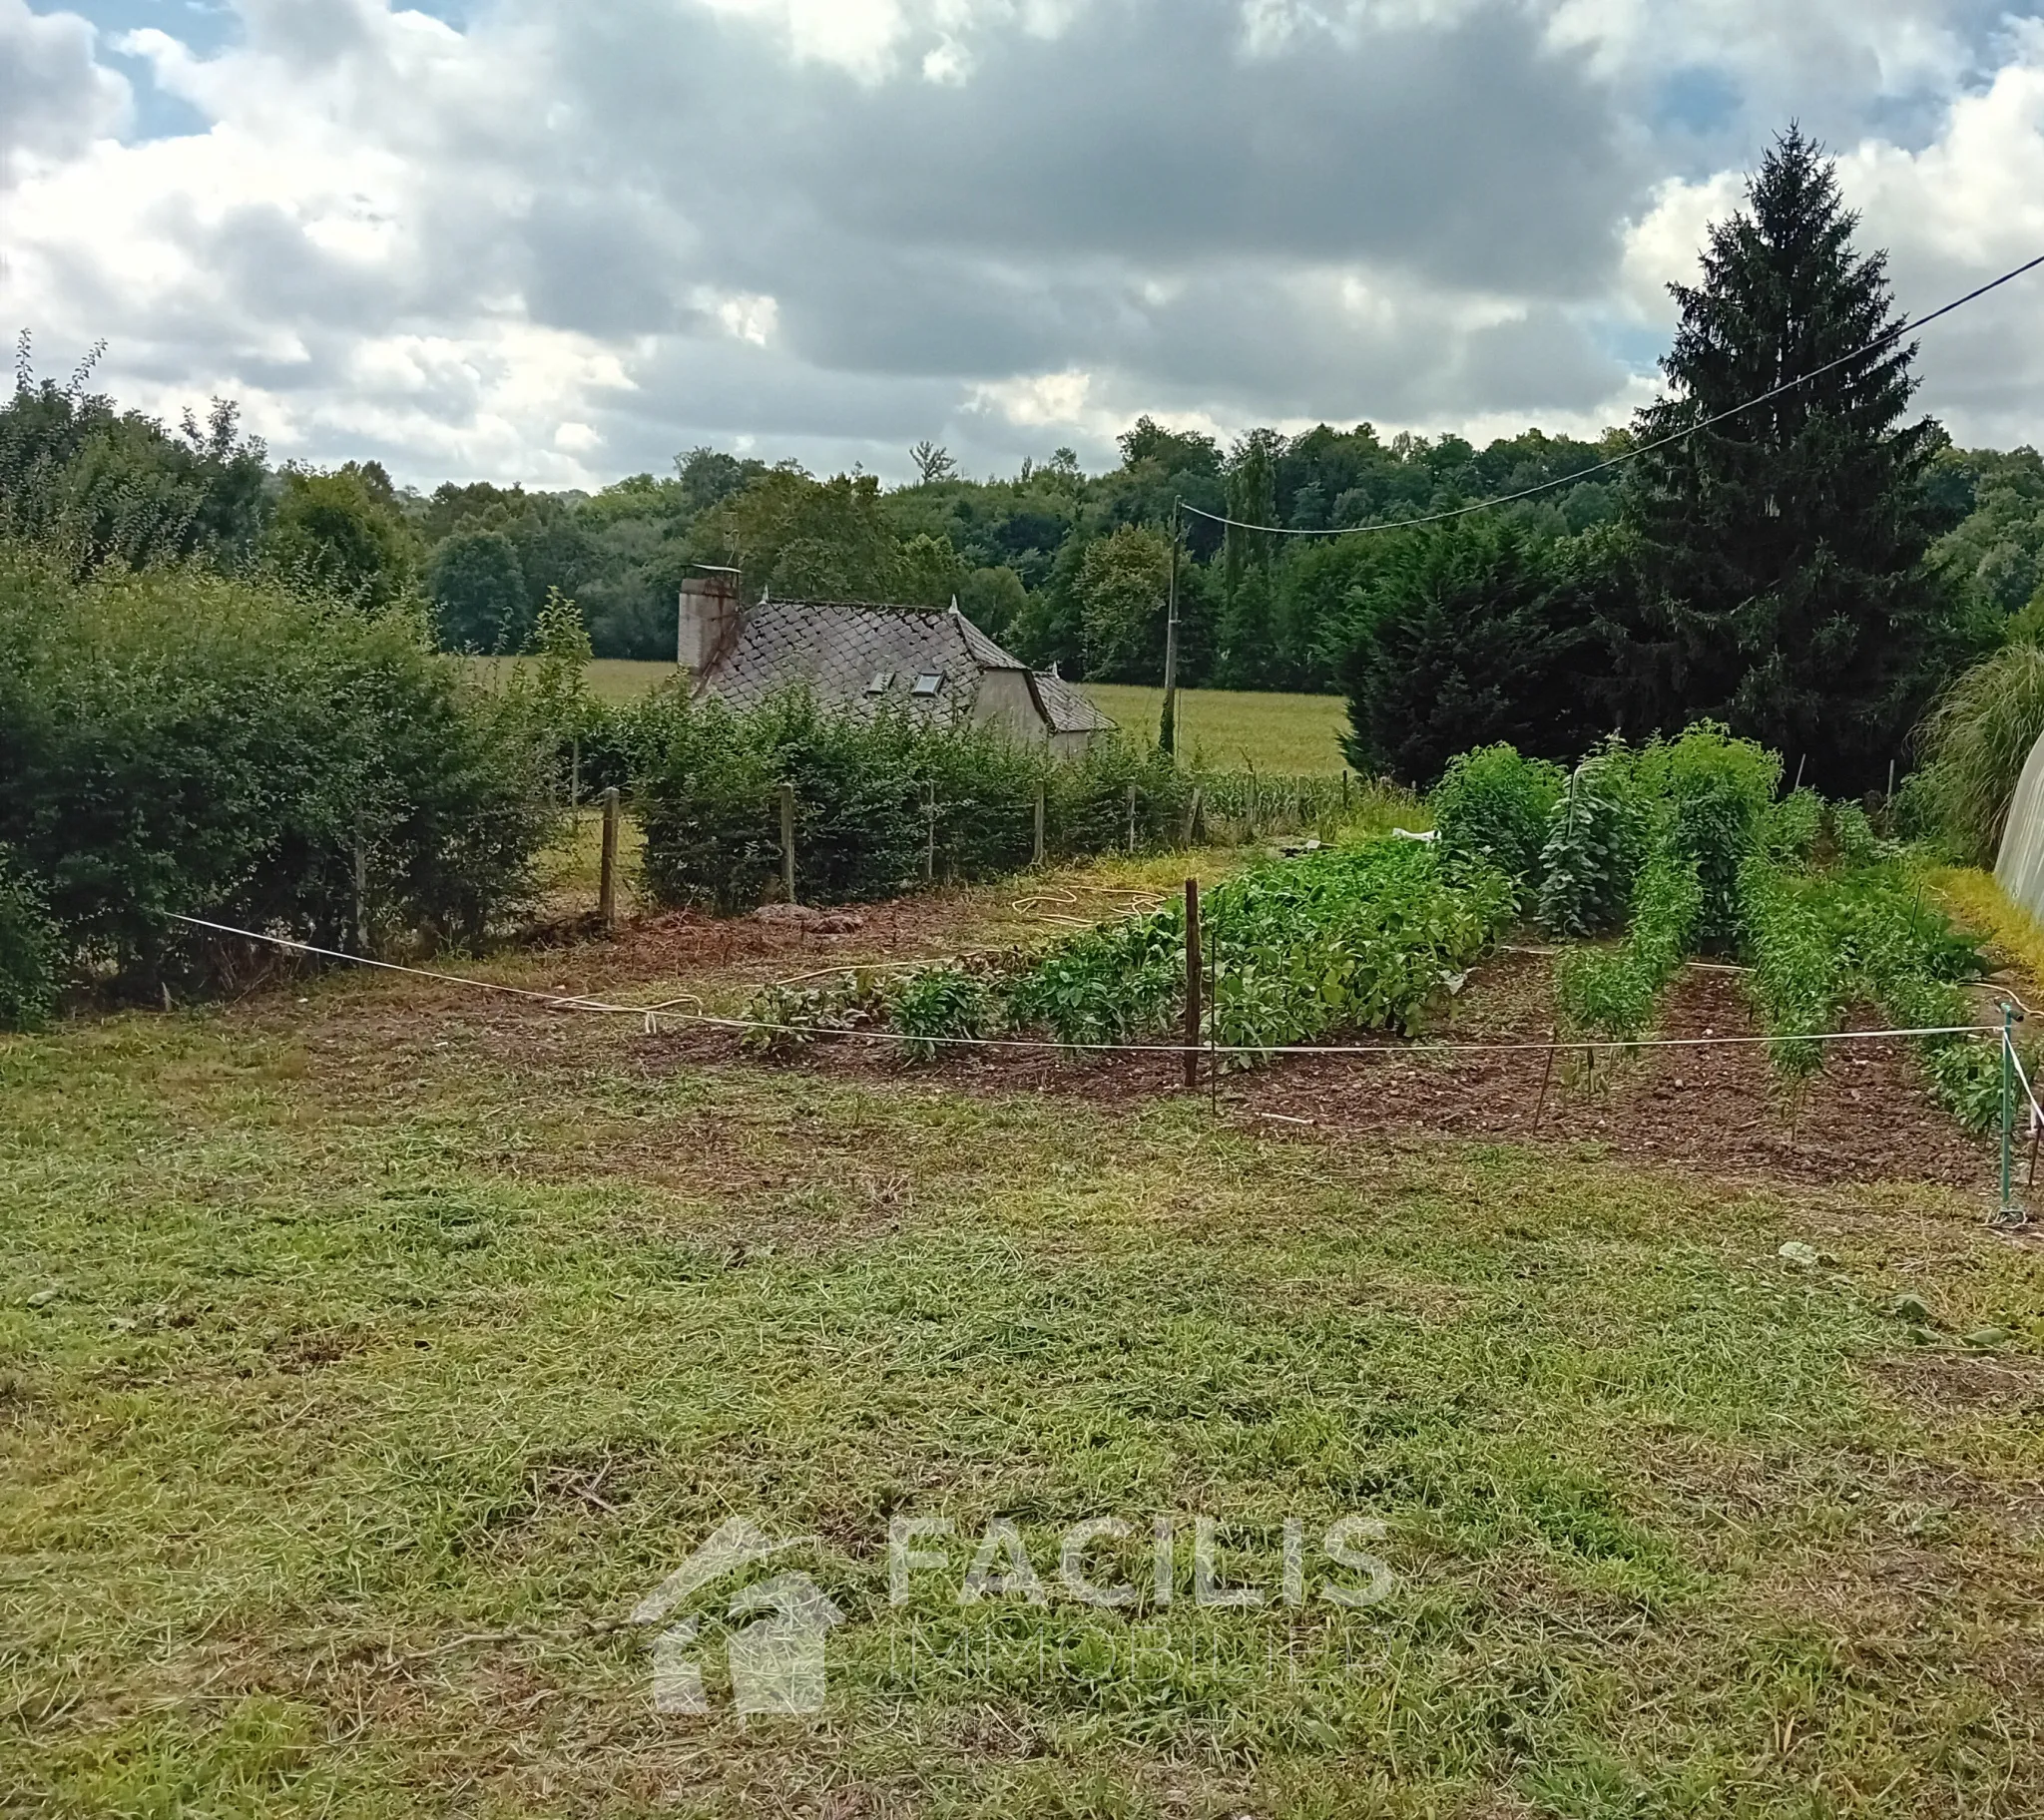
(1493, 805)
(788, 1018)
(1596, 843)
(1611, 993)
(1353, 939)
(940, 1004)
(1798, 978)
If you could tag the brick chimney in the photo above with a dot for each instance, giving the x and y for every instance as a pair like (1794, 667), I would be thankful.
(709, 619)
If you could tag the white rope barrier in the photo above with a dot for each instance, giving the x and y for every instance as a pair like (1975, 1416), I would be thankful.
(651, 1014)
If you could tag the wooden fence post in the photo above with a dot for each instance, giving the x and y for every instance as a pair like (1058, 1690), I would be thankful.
(607, 890)
(361, 892)
(1132, 818)
(787, 841)
(929, 843)
(1042, 819)
(1191, 1058)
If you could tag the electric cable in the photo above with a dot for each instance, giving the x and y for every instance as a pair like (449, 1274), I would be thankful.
(1645, 448)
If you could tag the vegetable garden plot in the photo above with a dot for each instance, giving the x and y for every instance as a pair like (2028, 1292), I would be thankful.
(1356, 939)
(1374, 943)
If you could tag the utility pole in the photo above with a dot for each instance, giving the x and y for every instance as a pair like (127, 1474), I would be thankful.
(1167, 733)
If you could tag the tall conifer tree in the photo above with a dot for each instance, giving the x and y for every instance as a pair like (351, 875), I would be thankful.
(1784, 587)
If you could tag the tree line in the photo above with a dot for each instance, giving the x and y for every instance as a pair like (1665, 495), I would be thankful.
(1810, 572)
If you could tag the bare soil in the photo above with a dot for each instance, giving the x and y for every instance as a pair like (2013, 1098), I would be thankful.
(1717, 1111)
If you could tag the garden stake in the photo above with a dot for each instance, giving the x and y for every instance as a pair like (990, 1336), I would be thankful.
(1040, 807)
(929, 847)
(1192, 1071)
(1132, 819)
(1540, 1110)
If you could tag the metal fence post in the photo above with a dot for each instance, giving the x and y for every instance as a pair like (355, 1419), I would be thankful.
(1191, 1058)
(2010, 1215)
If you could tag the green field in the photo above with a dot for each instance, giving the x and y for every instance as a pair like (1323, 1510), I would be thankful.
(368, 1348)
(1232, 730)
(1297, 734)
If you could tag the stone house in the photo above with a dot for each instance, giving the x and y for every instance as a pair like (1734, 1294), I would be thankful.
(929, 659)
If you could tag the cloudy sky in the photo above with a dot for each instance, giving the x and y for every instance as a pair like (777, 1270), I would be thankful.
(558, 240)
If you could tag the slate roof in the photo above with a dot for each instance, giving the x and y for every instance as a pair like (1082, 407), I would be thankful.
(1066, 710)
(847, 651)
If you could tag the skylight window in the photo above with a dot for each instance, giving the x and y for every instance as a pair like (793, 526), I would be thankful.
(928, 683)
(883, 681)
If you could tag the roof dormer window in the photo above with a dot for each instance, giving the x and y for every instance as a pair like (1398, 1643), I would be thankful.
(928, 684)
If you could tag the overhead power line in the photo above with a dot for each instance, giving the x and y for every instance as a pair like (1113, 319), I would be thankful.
(1645, 448)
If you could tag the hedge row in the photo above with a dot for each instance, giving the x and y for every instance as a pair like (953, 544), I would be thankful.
(881, 801)
(173, 741)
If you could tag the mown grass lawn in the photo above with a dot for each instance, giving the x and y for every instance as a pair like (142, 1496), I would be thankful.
(367, 1352)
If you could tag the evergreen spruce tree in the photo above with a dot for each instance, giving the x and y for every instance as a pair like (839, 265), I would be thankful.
(1785, 590)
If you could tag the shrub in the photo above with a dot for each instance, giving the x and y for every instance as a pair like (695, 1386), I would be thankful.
(878, 800)
(28, 952)
(1088, 803)
(175, 742)
(1492, 804)
(882, 800)
(1474, 631)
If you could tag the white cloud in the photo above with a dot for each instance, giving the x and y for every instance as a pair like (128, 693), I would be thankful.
(55, 98)
(564, 241)
(1053, 399)
(1663, 248)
